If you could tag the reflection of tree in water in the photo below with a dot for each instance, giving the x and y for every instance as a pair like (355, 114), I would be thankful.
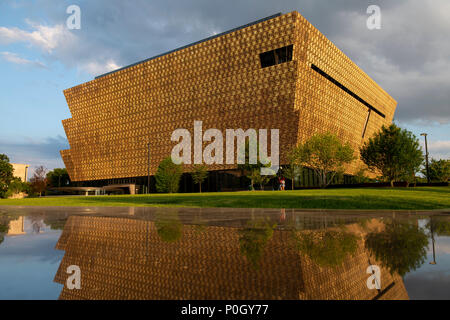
(253, 240)
(4, 225)
(439, 226)
(55, 223)
(2, 232)
(168, 225)
(327, 248)
(400, 247)
(36, 224)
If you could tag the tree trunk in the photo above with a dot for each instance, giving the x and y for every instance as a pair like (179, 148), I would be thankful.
(392, 183)
(324, 179)
(292, 181)
(330, 180)
(200, 184)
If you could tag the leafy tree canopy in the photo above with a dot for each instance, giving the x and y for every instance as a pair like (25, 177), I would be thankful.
(253, 170)
(293, 169)
(199, 174)
(168, 176)
(6, 174)
(394, 152)
(325, 154)
(16, 186)
(439, 170)
(58, 177)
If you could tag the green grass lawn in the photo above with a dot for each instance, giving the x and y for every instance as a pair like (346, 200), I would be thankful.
(422, 198)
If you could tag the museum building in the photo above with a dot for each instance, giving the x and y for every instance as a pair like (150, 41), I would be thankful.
(279, 72)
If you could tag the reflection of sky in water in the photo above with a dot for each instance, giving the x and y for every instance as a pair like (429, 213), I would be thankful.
(28, 263)
(431, 281)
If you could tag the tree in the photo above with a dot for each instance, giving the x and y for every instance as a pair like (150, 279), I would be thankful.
(401, 247)
(55, 223)
(253, 171)
(17, 186)
(199, 174)
(6, 174)
(394, 152)
(439, 170)
(168, 176)
(256, 177)
(39, 180)
(293, 169)
(325, 154)
(58, 177)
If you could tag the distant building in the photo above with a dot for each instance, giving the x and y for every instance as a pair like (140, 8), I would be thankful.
(21, 171)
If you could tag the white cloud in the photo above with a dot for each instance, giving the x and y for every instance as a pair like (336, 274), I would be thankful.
(408, 56)
(35, 152)
(58, 43)
(439, 149)
(16, 59)
(47, 38)
(97, 68)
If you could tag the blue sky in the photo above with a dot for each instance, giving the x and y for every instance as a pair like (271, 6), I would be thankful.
(30, 262)
(40, 57)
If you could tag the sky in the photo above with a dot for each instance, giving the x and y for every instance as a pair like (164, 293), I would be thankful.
(30, 262)
(409, 56)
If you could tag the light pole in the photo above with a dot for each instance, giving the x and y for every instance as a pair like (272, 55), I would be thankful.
(148, 167)
(432, 240)
(426, 156)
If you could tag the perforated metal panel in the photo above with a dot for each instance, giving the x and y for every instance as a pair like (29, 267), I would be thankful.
(220, 82)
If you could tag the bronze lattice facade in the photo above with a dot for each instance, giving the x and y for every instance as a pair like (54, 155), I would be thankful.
(277, 73)
(126, 258)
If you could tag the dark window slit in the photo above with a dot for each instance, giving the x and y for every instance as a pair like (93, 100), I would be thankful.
(340, 85)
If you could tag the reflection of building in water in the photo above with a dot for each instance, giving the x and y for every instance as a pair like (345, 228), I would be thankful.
(124, 258)
(348, 280)
(17, 227)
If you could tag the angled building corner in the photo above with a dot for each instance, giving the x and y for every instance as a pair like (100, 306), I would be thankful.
(276, 73)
